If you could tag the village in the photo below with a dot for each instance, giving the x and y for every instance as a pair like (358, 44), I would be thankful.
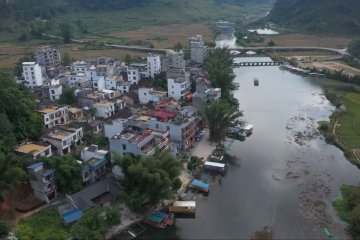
(102, 109)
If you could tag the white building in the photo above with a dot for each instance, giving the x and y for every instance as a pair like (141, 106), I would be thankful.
(80, 66)
(133, 75)
(55, 92)
(74, 79)
(64, 139)
(153, 65)
(54, 116)
(98, 82)
(32, 74)
(147, 95)
(178, 87)
(123, 86)
(111, 82)
(48, 56)
(51, 82)
(197, 49)
(114, 127)
(104, 109)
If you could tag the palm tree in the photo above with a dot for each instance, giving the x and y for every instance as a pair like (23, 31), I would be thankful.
(219, 116)
(219, 69)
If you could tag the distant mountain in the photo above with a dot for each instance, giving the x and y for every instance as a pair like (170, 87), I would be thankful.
(318, 16)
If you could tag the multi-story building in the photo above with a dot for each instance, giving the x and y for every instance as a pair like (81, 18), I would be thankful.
(80, 66)
(105, 69)
(123, 87)
(111, 82)
(54, 116)
(63, 139)
(42, 181)
(36, 149)
(104, 109)
(182, 125)
(147, 95)
(98, 82)
(55, 92)
(197, 49)
(96, 163)
(32, 75)
(73, 79)
(114, 127)
(48, 56)
(172, 60)
(138, 139)
(178, 87)
(133, 75)
(153, 65)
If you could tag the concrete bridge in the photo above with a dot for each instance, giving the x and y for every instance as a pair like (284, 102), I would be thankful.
(256, 64)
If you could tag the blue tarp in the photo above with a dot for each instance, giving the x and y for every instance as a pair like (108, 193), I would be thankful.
(161, 214)
(72, 215)
(200, 184)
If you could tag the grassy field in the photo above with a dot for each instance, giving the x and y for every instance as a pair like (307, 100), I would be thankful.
(306, 40)
(347, 131)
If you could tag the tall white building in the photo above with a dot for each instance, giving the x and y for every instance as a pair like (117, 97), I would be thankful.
(154, 65)
(32, 74)
(197, 49)
(178, 87)
(133, 75)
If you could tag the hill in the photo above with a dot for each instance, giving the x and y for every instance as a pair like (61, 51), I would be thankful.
(318, 16)
(17, 14)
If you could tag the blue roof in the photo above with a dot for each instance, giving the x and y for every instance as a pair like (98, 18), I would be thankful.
(161, 214)
(36, 165)
(72, 215)
(200, 184)
(97, 78)
(48, 172)
(97, 163)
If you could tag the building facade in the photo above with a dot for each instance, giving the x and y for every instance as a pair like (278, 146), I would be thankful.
(32, 74)
(48, 56)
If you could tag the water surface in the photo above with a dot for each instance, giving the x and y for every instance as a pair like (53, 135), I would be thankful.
(284, 175)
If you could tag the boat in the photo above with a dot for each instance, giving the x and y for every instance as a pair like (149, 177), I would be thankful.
(234, 86)
(154, 221)
(256, 82)
(166, 217)
(187, 207)
(199, 185)
(249, 129)
(215, 167)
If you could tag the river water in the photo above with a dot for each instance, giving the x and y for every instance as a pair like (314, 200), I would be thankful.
(283, 177)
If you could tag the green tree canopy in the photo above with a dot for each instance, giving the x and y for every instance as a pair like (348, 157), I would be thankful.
(148, 180)
(18, 105)
(4, 229)
(219, 69)
(68, 96)
(68, 172)
(219, 116)
(90, 226)
(66, 60)
(112, 216)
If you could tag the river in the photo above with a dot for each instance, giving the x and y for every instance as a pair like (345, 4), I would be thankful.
(283, 177)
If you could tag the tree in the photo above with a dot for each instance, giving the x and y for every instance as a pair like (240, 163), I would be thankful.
(91, 138)
(127, 59)
(112, 216)
(66, 60)
(81, 26)
(67, 172)
(17, 103)
(219, 69)
(150, 180)
(271, 43)
(178, 47)
(66, 32)
(160, 80)
(4, 229)
(23, 37)
(219, 116)
(90, 226)
(177, 184)
(68, 96)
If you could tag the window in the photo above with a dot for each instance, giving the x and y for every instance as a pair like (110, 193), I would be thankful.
(144, 93)
(172, 92)
(52, 91)
(168, 128)
(172, 86)
(134, 78)
(157, 126)
(124, 147)
(64, 143)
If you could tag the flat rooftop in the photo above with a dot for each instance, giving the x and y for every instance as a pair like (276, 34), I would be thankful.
(104, 104)
(48, 110)
(32, 148)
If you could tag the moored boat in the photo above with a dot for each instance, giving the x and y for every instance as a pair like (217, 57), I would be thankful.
(166, 217)
(199, 185)
(187, 207)
(154, 221)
